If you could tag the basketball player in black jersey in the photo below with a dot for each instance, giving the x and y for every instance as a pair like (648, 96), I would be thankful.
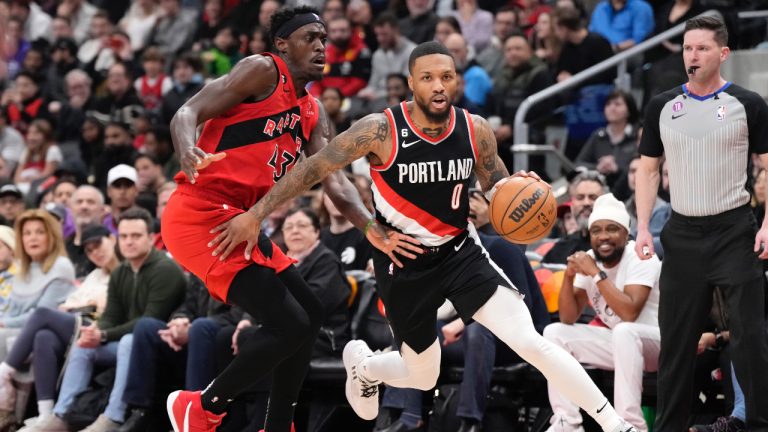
(422, 154)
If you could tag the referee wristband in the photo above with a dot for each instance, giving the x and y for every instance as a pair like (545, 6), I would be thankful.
(367, 226)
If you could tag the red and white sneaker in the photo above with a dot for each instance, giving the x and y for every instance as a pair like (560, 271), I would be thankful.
(187, 414)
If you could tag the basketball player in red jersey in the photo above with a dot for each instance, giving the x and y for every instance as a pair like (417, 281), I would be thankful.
(258, 119)
(422, 155)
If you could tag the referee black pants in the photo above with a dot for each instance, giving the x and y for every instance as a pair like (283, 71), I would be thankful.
(701, 253)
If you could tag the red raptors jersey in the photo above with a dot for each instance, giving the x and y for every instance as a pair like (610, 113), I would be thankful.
(262, 141)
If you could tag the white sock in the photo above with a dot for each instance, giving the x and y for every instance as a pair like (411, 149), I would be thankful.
(383, 367)
(607, 418)
(45, 407)
(6, 372)
(506, 315)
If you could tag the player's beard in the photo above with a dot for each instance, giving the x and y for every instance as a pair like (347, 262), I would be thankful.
(434, 117)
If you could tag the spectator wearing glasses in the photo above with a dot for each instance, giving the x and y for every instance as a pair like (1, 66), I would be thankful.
(584, 189)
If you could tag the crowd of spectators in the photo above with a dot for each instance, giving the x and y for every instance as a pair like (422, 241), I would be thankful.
(88, 88)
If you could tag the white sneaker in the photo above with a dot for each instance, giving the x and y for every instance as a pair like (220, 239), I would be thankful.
(47, 423)
(102, 424)
(625, 426)
(362, 394)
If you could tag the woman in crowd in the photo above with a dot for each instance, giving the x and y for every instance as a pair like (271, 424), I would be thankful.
(610, 149)
(40, 158)
(322, 270)
(545, 43)
(259, 41)
(333, 101)
(445, 27)
(49, 331)
(45, 276)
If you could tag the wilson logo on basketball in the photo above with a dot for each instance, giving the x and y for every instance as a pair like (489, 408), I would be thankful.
(518, 213)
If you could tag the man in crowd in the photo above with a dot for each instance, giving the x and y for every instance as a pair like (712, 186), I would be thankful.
(122, 192)
(11, 203)
(419, 25)
(624, 292)
(347, 60)
(504, 25)
(146, 284)
(87, 207)
(391, 57)
(521, 75)
(584, 189)
(477, 81)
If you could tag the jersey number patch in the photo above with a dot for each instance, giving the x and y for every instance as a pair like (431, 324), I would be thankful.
(280, 161)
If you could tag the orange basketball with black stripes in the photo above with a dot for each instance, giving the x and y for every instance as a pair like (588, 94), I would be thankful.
(523, 210)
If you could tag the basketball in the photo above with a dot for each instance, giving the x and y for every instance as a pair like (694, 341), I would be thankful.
(523, 210)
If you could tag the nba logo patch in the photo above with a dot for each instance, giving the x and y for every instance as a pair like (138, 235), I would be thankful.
(677, 106)
(391, 268)
(721, 112)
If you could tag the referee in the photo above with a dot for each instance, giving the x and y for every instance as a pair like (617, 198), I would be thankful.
(707, 129)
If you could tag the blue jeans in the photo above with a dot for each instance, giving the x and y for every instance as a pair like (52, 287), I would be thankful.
(149, 351)
(739, 407)
(476, 350)
(79, 372)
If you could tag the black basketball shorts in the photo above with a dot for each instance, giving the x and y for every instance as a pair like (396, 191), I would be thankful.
(459, 270)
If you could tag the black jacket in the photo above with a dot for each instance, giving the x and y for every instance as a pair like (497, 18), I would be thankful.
(323, 272)
(199, 304)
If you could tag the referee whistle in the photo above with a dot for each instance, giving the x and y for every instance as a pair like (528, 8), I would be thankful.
(646, 251)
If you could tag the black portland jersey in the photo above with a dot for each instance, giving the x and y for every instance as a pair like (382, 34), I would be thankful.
(422, 189)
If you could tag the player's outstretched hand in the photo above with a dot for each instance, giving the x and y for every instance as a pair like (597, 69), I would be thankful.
(644, 244)
(390, 241)
(761, 243)
(244, 227)
(195, 159)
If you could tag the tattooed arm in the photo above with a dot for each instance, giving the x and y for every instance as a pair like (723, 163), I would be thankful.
(367, 136)
(341, 191)
(490, 169)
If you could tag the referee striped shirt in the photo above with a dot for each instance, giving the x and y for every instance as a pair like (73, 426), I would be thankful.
(707, 141)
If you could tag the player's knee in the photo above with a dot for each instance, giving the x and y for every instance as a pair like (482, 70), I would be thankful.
(424, 367)
(426, 379)
(529, 344)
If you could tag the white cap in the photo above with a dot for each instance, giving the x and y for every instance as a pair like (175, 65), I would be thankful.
(121, 171)
(607, 207)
